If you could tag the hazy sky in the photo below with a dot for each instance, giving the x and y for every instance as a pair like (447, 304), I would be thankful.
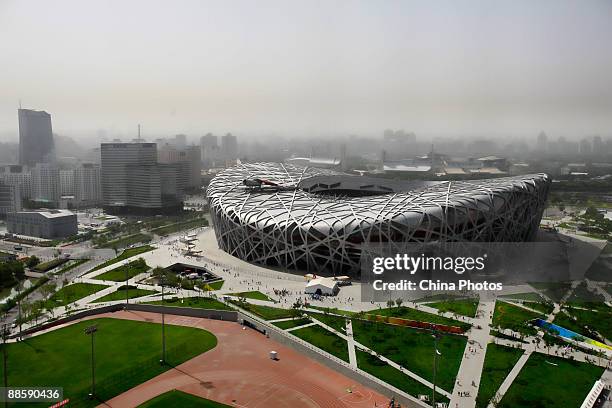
(256, 66)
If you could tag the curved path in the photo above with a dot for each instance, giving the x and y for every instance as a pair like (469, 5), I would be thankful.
(239, 372)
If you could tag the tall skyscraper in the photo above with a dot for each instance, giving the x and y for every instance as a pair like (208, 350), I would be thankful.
(229, 148)
(132, 180)
(87, 186)
(189, 156)
(35, 137)
(210, 150)
(46, 183)
(10, 199)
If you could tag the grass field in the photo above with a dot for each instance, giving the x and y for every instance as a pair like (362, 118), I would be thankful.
(325, 340)
(413, 349)
(529, 296)
(588, 323)
(499, 360)
(333, 310)
(512, 317)
(128, 253)
(47, 266)
(127, 241)
(337, 322)
(185, 225)
(551, 382)
(120, 293)
(265, 312)
(119, 274)
(76, 291)
(216, 285)
(542, 307)
(288, 324)
(127, 353)
(195, 302)
(413, 314)
(181, 399)
(380, 369)
(70, 267)
(254, 294)
(464, 307)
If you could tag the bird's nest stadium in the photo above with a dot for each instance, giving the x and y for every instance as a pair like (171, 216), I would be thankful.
(316, 220)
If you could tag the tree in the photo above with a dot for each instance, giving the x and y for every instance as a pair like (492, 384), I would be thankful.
(32, 261)
(390, 303)
(398, 302)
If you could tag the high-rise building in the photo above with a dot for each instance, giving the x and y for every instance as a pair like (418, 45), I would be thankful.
(132, 180)
(210, 150)
(585, 147)
(190, 156)
(229, 148)
(10, 199)
(67, 182)
(35, 138)
(46, 183)
(399, 144)
(542, 142)
(17, 175)
(87, 186)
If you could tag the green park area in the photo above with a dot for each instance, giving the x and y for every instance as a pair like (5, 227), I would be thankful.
(124, 272)
(266, 312)
(131, 292)
(180, 226)
(325, 340)
(413, 349)
(391, 375)
(127, 353)
(128, 253)
(217, 285)
(516, 318)
(419, 315)
(126, 241)
(181, 399)
(194, 302)
(74, 292)
(71, 266)
(593, 324)
(47, 266)
(499, 360)
(254, 294)
(528, 296)
(289, 324)
(551, 382)
(463, 307)
(555, 291)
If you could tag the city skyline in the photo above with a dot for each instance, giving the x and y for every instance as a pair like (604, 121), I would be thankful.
(308, 69)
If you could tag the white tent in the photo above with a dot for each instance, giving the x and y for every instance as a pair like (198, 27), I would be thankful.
(322, 286)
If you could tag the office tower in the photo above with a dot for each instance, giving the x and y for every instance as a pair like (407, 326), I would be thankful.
(16, 175)
(210, 150)
(35, 138)
(132, 180)
(399, 144)
(87, 185)
(10, 199)
(66, 182)
(542, 142)
(46, 183)
(585, 147)
(180, 141)
(598, 145)
(229, 148)
(191, 172)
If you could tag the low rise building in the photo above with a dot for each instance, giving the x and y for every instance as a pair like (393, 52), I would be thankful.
(48, 224)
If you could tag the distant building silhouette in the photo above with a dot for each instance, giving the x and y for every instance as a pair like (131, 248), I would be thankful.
(35, 137)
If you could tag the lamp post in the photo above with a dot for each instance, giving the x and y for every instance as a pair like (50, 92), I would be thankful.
(5, 372)
(91, 330)
(127, 287)
(163, 356)
(436, 337)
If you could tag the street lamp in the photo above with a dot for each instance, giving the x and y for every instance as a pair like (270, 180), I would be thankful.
(127, 286)
(436, 337)
(91, 330)
(162, 281)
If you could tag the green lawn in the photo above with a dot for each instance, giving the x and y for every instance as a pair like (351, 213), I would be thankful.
(181, 399)
(76, 291)
(288, 324)
(588, 323)
(70, 267)
(216, 285)
(127, 241)
(413, 314)
(266, 312)
(185, 225)
(499, 360)
(127, 353)
(325, 340)
(333, 310)
(195, 302)
(383, 371)
(464, 307)
(337, 322)
(47, 266)
(542, 307)
(529, 296)
(512, 317)
(128, 253)
(119, 274)
(551, 382)
(553, 290)
(120, 293)
(254, 294)
(413, 349)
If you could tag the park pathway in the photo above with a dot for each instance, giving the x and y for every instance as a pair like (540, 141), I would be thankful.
(510, 379)
(468, 377)
(351, 343)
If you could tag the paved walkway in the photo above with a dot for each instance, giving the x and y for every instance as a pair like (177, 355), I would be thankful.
(351, 343)
(470, 370)
(510, 379)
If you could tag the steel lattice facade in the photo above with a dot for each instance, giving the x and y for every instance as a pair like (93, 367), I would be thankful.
(291, 228)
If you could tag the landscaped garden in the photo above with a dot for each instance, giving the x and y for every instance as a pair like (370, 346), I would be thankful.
(464, 307)
(499, 360)
(124, 272)
(325, 340)
(128, 253)
(515, 318)
(74, 292)
(419, 315)
(126, 290)
(195, 302)
(254, 294)
(127, 353)
(551, 382)
(289, 324)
